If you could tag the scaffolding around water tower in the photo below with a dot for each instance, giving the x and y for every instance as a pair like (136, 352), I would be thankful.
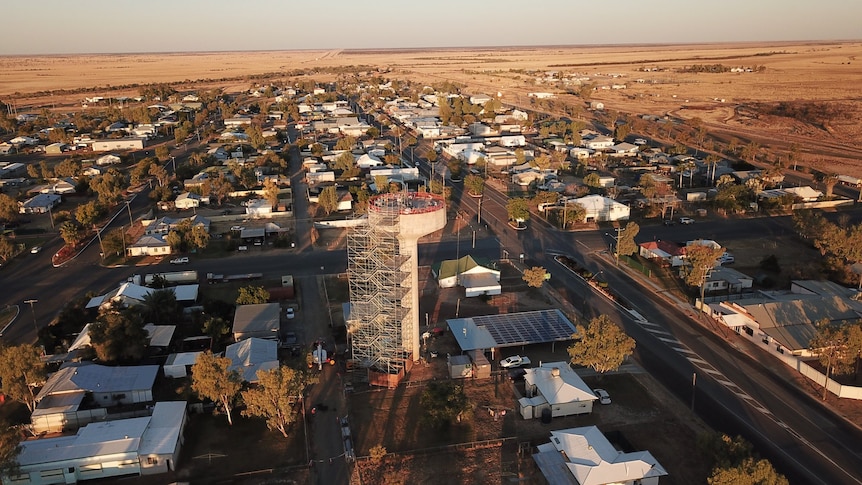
(383, 280)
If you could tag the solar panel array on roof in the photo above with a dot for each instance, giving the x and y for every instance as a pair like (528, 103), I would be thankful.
(528, 327)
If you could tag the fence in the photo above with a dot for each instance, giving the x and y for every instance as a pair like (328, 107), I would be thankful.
(472, 445)
(637, 265)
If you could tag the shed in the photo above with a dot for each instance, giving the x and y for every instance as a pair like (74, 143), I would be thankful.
(179, 365)
(459, 366)
(260, 320)
(481, 366)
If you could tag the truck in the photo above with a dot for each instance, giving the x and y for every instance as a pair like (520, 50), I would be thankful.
(177, 277)
(227, 278)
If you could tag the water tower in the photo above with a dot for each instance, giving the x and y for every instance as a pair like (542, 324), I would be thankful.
(382, 268)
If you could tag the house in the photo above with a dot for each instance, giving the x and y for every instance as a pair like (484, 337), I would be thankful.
(189, 200)
(119, 144)
(133, 446)
(623, 150)
(62, 186)
(598, 142)
(476, 278)
(149, 245)
(584, 456)
(727, 280)
(107, 385)
(260, 320)
(179, 364)
(251, 355)
(39, 204)
(55, 148)
(668, 252)
(368, 161)
(109, 159)
(258, 208)
(218, 153)
(786, 320)
(555, 386)
(600, 209)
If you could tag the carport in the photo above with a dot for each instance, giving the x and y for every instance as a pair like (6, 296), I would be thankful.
(492, 332)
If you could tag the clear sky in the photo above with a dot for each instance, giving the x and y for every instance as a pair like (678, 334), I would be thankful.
(114, 26)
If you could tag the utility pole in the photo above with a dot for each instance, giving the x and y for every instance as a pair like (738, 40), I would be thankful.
(131, 222)
(33, 309)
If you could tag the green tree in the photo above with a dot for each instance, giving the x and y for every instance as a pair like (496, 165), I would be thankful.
(10, 448)
(750, 151)
(535, 277)
(593, 180)
(21, 369)
(602, 346)
(212, 379)
(87, 214)
(700, 260)
(475, 184)
(118, 335)
(270, 192)
(255, 136)
(328, 199)
(442, 402)
(70, 232)
(381, 183)
(251, 295)
(7, 249)
(347, 143)
(275, 396)
(518, 209)
(344, 162)
(174, 240)
(8, 208)
(160, 306)
(163, 152)
(109, 186)
(197, 237)
(829, 181)
(626, 245)
(750, 472)
(215, 327)
(836, 348)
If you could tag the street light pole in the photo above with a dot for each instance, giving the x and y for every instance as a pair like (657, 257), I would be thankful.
(33, 309)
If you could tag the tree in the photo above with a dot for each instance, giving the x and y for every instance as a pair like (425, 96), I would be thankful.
(215, 327)
(160, 173)
(750, 151)
(443, 401)
(626, 245)
(10, 448)
(381, 183)
(270, 192)
(174, 240)
(87, 214)
(70, 232)
(8, 208)
(835, 347)
(251, 295)
(603, 346)
(197, 237)
(750, 472)
(475, 184)
(535, 277)
(344, 162)
(160, 306)
(593, 180)
(212, 379)
(275, 396)
(21, 369)
(700, 260)
(829, 181)
(118, 335)
(7, 249)
(518, 210)
(328, 199)
(163, 153)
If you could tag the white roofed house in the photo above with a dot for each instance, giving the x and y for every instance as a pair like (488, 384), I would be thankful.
(109, 159)
(39, 204)
(599, 209)
(149, 245)
(134, 446)
(623, 150)
(190, 200)
(251, 355)
(555, 386)
(598, 142)
(584, 456)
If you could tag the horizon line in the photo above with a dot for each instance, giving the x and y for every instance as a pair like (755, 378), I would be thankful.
(440, 48)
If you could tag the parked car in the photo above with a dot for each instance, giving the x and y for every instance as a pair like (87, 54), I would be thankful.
(181, 260)
(517, 374)
(35, 249)
(668, 222)
(289, 313)
(514, 361)
(726, 258)
(289, 339)
(640, 141)
(686, 220)
(604, 397)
